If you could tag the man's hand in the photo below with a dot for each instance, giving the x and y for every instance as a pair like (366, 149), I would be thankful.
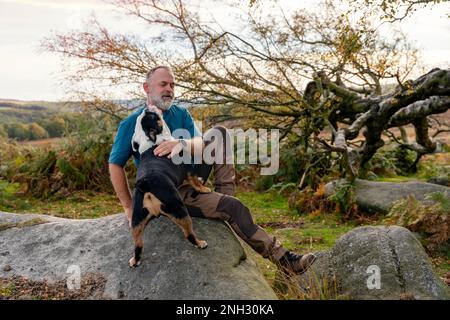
(129, 214)
(169, 147)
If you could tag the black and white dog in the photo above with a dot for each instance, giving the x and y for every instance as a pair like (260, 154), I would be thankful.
(157, 180)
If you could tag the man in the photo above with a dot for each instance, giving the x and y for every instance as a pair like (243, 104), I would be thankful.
(220, 204)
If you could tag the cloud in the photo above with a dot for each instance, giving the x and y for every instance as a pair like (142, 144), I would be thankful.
(63, 4)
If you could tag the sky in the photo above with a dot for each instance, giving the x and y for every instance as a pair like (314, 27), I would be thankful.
(26, 73)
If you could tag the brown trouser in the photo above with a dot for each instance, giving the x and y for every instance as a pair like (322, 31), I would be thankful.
(222, 204)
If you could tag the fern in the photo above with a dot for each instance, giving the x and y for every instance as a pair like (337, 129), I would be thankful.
(419, 216)
(282, 186)
(344, 197)
(71, 172)
(443, 198)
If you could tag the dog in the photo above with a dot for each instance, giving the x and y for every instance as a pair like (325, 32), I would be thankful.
(157, 180)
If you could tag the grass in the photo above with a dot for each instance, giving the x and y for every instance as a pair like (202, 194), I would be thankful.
(77, 205)
(316, 232)
(6, 290)
(397, 179)
(441, 263)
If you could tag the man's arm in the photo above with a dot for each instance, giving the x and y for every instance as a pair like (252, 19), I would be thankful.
(196, 143)
(120, 183)
(120, 153)
(173, 147)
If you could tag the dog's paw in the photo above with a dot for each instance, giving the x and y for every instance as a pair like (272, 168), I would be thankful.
(201, 244)
(203, 189)
(133, 263)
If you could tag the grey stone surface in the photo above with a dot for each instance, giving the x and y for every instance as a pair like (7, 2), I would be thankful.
(372, 196)
(404, 268)
(171, 268)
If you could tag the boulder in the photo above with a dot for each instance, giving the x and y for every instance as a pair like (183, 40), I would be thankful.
(50, 250)
(372, 196)
(378, 262)
(443, 181)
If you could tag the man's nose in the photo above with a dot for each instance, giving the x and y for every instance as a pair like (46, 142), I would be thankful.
(169, 88)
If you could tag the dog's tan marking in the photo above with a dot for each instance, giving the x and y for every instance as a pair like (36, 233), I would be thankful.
(186, 226)
(197, 185)
(202, 244)
(133, 262)
(137, 233)
(152, 204)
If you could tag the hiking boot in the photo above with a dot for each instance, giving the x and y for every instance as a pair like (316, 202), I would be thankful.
(292, 263)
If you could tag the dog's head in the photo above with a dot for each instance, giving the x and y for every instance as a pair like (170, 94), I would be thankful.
(152, 125)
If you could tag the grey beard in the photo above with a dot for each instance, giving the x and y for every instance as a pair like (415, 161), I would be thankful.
(160, 103)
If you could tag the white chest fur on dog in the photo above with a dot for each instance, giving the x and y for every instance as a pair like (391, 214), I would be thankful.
(142, 139)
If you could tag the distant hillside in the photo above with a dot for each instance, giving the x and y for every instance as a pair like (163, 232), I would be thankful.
(63, 106)
(15, 111)
(10, 105)
(31, 120)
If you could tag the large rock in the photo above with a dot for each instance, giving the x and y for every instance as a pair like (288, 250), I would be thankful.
(379, 197)
(352, 266)
(42, 248)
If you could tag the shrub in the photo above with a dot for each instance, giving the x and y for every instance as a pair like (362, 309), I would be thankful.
(35, 132)
(55, 126)
(79, 162)
(18, 131)
(312, 201)
(315, 202)
(429, 218)
(404, 160)
(296, 165)
(3, 133)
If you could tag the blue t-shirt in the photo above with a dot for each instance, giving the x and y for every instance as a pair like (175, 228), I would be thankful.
(176, 118)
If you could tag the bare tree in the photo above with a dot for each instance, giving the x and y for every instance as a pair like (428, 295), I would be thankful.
(302, 73)
(410, 104)
(397, 10)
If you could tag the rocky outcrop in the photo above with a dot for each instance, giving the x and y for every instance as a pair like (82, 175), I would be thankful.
(443, 181)
(46, 249)
(379, 197)
(376, 263)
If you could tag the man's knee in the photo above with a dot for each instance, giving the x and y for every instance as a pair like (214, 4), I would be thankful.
(217, 132)
(223, 131)
(237, 213)
(221, 139)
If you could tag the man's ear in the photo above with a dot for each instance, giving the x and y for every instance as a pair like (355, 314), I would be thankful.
(145, 85)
